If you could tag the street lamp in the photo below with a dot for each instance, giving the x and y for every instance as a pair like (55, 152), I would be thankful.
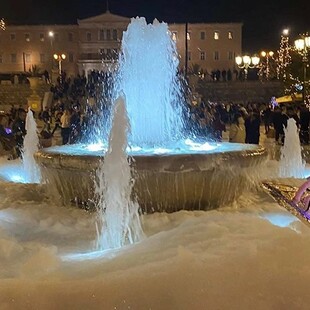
(59, 58)
(268, 55)
(245, 62)
(302, 45)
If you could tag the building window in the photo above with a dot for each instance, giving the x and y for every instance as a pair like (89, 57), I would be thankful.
(108, 34)
(71, 57)
(88, 36)
(174, 36)
(42, 58)
(27, 37)
(27, 58)
(202, 55)
(189, 56)
(70, 36)
(230, 55)
(188, 36)
(13, 58)
(216, 35)
(216, 55)
(230, 35)
(56, 37)
(42, 37)
(101, 35)
(114, 34)
(1, 59)
(202, 35)
(13, 36)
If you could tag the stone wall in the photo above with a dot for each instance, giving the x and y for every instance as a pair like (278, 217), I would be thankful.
(18, 93)
(240, 92)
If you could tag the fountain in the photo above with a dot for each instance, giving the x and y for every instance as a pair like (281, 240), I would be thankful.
(118, 217)
(291, 162)
(173, 171)
(31, 146)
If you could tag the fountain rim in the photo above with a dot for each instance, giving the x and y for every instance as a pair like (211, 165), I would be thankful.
(49, 158)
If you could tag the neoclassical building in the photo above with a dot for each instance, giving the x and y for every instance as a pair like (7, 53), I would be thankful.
(94, 42)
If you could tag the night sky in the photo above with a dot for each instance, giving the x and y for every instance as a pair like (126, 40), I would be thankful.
(263, 19)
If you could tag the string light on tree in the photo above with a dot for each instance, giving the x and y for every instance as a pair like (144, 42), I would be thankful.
(2, 24)
(284, 56)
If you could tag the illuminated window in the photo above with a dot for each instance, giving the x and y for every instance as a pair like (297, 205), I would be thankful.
(174, 36)
(42, 37)
(27, 37)
(188, 36)
(13, 36)
(189, 56)
(88, 36)
(114, 34)
(216, 35)
(202, 55)
(202, 35)
(42, 58)
(27, 58)
(70, 36)
(216, 55)
(13, 58)
(230, 35)
(230, 55)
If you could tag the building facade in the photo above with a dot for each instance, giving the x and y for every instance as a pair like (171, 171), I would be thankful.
(93, 44)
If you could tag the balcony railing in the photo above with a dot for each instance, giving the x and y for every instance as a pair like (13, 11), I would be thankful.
(98, 57)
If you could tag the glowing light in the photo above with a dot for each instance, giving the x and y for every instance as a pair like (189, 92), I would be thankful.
(92, 255)
(2, 24)
(51, 34)
(161, 151)
(286, 32)
(200, 147)
(238, 60)
(280, 219)
(17, 178)
(95, 147)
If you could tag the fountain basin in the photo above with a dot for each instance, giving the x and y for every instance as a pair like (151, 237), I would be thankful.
(170, 181)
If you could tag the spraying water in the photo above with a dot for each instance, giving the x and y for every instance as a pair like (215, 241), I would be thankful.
(31, 142)
(291, 163)
(118, 217)
(148, 78)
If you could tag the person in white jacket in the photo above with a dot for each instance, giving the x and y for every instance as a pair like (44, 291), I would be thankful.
(237, 129)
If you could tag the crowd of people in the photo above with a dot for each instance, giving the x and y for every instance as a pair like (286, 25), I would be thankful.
(244, 121)
(71, 112)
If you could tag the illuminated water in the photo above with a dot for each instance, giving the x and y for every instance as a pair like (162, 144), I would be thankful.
(291, 162)
(118, 221)
(31, 146)
(148, 78)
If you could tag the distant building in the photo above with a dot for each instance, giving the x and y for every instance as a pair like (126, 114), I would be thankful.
(93, 43)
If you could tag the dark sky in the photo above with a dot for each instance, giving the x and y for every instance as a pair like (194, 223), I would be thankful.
(263, 19)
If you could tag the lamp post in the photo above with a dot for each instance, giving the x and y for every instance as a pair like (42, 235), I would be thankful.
(267, 55)
(245, 62)
(302, 45)
(60, 58)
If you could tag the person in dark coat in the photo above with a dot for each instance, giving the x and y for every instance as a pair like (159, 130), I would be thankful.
(304, 125)
(279, 121)
(252, 127)
(19, 130)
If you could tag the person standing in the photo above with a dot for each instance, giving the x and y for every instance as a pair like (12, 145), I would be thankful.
(252, 127)
(237, 129)
(19, 130)
(65, 126)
